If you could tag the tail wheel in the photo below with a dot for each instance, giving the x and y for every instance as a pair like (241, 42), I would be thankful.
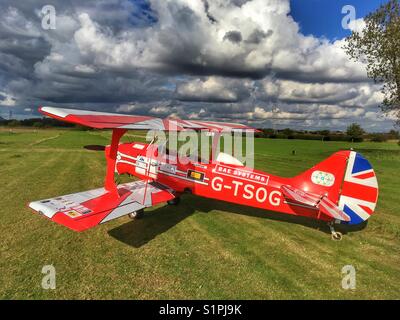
(174, 201)
(136, 214)
(337, 236)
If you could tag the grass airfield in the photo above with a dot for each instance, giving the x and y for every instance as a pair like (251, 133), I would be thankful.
(201, 249)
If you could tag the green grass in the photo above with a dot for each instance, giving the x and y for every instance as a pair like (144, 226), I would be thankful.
(200, 249)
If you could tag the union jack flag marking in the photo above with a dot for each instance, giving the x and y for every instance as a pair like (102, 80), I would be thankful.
(360, 189)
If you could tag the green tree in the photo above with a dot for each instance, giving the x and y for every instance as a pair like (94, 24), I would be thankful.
(394, 134)
(268, 131)
(38, 124)
(355, 132)
(288, 132)
(378, 47)
(325, 133)
(378, 137)
(14, 123)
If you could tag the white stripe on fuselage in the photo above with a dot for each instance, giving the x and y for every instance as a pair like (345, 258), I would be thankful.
(183, 178)
(160, 170)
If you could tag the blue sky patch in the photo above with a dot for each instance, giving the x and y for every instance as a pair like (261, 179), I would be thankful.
(323, 18)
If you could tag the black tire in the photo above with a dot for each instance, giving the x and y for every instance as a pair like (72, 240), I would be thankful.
(174, 201)
(136, 214)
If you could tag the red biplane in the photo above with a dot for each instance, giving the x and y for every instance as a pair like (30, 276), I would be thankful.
(341, 189)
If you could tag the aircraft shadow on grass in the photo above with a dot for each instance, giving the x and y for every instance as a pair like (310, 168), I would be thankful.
(139, 232)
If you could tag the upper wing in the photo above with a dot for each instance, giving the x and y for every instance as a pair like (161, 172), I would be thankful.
(83, 210)
(105, 120)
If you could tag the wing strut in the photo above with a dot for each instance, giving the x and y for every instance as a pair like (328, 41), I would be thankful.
(146, 173)
(111, 158)
(215, 140)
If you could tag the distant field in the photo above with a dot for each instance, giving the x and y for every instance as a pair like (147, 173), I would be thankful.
(201, 249)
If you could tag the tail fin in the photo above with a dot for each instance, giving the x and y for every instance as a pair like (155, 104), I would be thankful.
(359, 193)
(348, 181)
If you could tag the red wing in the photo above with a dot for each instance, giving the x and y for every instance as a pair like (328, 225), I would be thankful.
(83, 210)
(104, 120)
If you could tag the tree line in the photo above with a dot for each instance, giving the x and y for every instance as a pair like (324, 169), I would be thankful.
(354, 132)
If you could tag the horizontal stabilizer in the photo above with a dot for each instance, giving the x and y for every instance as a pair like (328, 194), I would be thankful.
(322, 203)
(300, 196)
(327, 207)
(83, 210)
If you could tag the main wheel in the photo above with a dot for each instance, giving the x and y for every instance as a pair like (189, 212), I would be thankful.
(136, 214)
(174, 201)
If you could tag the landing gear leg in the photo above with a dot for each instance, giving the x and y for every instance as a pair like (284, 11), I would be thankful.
(335, 235)
(136, 214)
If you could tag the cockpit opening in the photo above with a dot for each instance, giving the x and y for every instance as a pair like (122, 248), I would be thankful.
(228, 159)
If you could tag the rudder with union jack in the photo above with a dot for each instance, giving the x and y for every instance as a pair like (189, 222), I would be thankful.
(359, 192)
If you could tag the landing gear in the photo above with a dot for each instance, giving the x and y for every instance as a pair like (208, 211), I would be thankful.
(136, 214)
(174, 201)
(335, 235)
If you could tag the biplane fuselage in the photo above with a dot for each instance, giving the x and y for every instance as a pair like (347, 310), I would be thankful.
(225, 181)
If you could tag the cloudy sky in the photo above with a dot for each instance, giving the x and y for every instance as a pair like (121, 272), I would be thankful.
(267, 63)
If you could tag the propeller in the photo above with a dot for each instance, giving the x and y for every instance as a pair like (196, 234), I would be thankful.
(95, 147)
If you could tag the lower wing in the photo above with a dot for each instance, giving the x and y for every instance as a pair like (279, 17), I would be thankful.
(84, 210)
